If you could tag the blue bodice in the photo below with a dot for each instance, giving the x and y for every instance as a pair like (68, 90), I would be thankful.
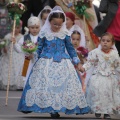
(56, 49)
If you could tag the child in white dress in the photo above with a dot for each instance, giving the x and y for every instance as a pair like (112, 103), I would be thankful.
(34, 29)
(43, 14)
(70, 24)
(16, 80)
(103, 94)
(81, 51)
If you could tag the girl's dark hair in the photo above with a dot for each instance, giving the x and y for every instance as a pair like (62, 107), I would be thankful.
(57, 15)
(47, 11)
(76, 32)
(110, 35)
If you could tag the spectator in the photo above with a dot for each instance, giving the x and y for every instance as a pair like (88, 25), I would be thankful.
(110, 22)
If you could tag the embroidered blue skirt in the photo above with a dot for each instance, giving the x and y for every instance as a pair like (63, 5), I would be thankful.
(53, 87)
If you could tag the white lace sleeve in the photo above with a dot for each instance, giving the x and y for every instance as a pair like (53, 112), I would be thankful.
(17, 45)
(91, 60)
(76, 60)
(7, 38)
(117, 62)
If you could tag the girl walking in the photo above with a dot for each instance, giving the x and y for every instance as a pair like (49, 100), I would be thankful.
(53, 85)
(103, 94)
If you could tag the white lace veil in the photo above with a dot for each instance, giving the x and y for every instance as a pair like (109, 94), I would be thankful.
(39, 16)
(47, 27)
(77, 28)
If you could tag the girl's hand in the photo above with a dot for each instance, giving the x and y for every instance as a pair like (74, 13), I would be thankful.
(13, 40)
(82, 69)
(79, 66)
(84, 88)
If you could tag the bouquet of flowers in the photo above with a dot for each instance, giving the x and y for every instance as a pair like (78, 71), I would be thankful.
(18, 8)
(71, 3)
(79, 7)
(83, 51)
(29, 47)
(2, 43)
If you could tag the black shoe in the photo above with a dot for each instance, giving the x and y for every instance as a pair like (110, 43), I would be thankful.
(55, 115)
(107, 116)
(26, 112)
(20, 89)
(97, 115)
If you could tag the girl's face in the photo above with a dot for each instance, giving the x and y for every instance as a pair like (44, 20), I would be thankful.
(34, 29)
(69, 23)
(75, 40)
(106, 43)
(44, 17)
(17, 29)
(56, 24)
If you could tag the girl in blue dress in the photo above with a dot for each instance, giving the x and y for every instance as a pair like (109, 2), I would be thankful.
(53, 85)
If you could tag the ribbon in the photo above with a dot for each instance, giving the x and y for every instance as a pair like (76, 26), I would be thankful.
(81, 10)
(15, 16)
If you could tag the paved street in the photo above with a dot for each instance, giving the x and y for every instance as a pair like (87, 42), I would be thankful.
(10, 112)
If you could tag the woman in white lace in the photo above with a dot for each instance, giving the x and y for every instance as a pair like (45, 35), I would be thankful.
(53, 85)
(103, 94)
(16, 81)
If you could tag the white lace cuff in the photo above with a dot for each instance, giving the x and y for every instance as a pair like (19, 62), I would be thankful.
(76, 60)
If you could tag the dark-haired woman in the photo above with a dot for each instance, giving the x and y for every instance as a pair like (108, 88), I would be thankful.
(53, 85)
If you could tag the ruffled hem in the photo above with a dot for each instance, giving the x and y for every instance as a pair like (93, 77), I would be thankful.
(36, 109)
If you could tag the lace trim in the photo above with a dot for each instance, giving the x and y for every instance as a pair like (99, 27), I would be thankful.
(56, 85)
(51, 35)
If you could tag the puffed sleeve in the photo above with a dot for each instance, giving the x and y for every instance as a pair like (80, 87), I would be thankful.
(40, 46)
(104, 6)
(71, 50)
(91, 60)
(17, 45)
(117, 62)
(7, 39)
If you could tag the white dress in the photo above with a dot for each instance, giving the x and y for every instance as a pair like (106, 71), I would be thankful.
(18, 49)
(103, 94)
(16, 80)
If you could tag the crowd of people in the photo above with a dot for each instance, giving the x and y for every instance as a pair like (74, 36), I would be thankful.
(63, 74)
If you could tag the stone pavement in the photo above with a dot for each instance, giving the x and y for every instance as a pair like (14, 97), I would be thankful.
(10, 112)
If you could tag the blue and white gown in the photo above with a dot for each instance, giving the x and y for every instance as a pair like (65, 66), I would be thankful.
(53, 84)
